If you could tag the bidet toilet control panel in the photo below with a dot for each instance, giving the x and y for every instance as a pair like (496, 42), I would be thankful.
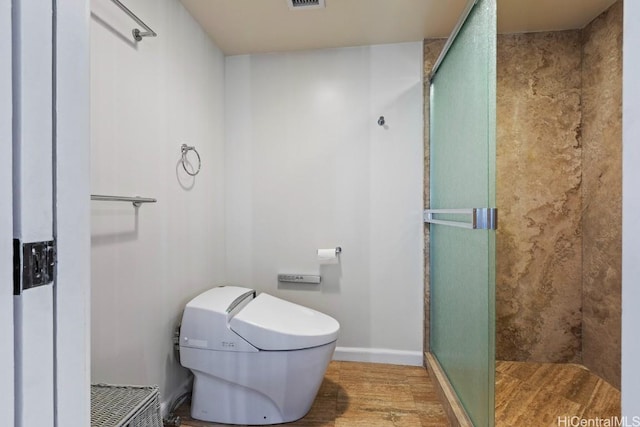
(299, 278)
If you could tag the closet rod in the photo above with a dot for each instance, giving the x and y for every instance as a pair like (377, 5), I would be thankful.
(137, 34)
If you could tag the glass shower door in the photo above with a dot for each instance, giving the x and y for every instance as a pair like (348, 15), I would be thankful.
(461, 215)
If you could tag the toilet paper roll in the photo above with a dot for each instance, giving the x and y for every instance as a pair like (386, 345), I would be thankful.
(327, 256)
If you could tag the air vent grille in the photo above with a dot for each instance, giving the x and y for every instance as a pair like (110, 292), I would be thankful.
(306, 4)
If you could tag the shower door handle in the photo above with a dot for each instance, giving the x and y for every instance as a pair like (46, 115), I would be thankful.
(480, 218)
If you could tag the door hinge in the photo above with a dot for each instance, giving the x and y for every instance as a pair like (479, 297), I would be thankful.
(33, 264)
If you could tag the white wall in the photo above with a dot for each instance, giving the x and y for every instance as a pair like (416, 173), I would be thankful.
(630, 216)
(146, 100)
(308, 167)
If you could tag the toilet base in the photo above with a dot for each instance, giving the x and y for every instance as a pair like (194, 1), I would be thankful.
(265, 387)
(217, 400)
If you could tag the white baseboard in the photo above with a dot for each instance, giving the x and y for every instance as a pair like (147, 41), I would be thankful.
(167, 401)
(378, 355)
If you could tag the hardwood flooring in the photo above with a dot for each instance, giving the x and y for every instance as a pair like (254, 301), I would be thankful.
(527, 394)
(369, 395)
(545, 394)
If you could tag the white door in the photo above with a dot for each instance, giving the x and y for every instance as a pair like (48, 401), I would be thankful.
(32, 44)
(44, 185)
(6, 221)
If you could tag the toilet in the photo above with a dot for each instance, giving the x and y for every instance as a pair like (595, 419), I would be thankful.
(256, 359)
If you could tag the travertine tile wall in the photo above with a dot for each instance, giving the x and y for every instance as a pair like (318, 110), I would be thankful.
(558, 192)
(539, 243)
(601, 194)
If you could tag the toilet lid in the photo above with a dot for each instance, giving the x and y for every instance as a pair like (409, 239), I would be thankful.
(270, 323)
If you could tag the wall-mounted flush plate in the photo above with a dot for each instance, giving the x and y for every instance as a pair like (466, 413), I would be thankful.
(33, 264)
(299, 278)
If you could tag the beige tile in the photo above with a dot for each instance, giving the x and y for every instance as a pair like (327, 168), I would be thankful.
(536, 394)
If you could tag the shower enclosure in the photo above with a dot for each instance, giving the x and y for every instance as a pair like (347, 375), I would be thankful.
(548, 292)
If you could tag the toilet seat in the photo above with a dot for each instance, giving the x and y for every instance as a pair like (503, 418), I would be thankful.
(270, 323)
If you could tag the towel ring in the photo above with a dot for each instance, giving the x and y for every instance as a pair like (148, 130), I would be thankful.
(185, 149)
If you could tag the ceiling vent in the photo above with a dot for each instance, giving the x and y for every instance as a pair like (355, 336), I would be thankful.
(305, 4)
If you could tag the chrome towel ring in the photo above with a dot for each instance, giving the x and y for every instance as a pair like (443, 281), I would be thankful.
(185, 149)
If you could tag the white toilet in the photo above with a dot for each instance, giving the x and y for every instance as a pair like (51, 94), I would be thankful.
(256, 360)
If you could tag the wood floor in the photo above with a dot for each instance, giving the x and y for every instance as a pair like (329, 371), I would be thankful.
(367, 395)
(376, 395)
(536, 394)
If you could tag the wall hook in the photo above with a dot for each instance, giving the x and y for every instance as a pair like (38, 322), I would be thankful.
(381, 121)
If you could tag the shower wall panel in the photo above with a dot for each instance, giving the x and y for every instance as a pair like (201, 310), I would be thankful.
(539, 255)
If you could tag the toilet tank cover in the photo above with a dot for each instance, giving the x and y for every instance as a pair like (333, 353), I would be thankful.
(270, 323)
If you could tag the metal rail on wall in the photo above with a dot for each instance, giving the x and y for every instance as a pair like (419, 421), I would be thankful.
(137, 34)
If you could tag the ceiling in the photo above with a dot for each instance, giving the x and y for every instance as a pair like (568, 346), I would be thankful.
(254, 26)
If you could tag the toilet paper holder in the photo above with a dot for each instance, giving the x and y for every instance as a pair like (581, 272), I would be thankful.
(329, 252)
(329, 255)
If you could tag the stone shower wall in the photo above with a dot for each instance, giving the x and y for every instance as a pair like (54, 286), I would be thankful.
(602, 194)
(538, 243)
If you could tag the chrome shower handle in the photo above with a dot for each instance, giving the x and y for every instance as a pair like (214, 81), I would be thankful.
(481, 218)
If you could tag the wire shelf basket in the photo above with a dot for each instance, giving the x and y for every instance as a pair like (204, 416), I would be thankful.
(125, 406)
